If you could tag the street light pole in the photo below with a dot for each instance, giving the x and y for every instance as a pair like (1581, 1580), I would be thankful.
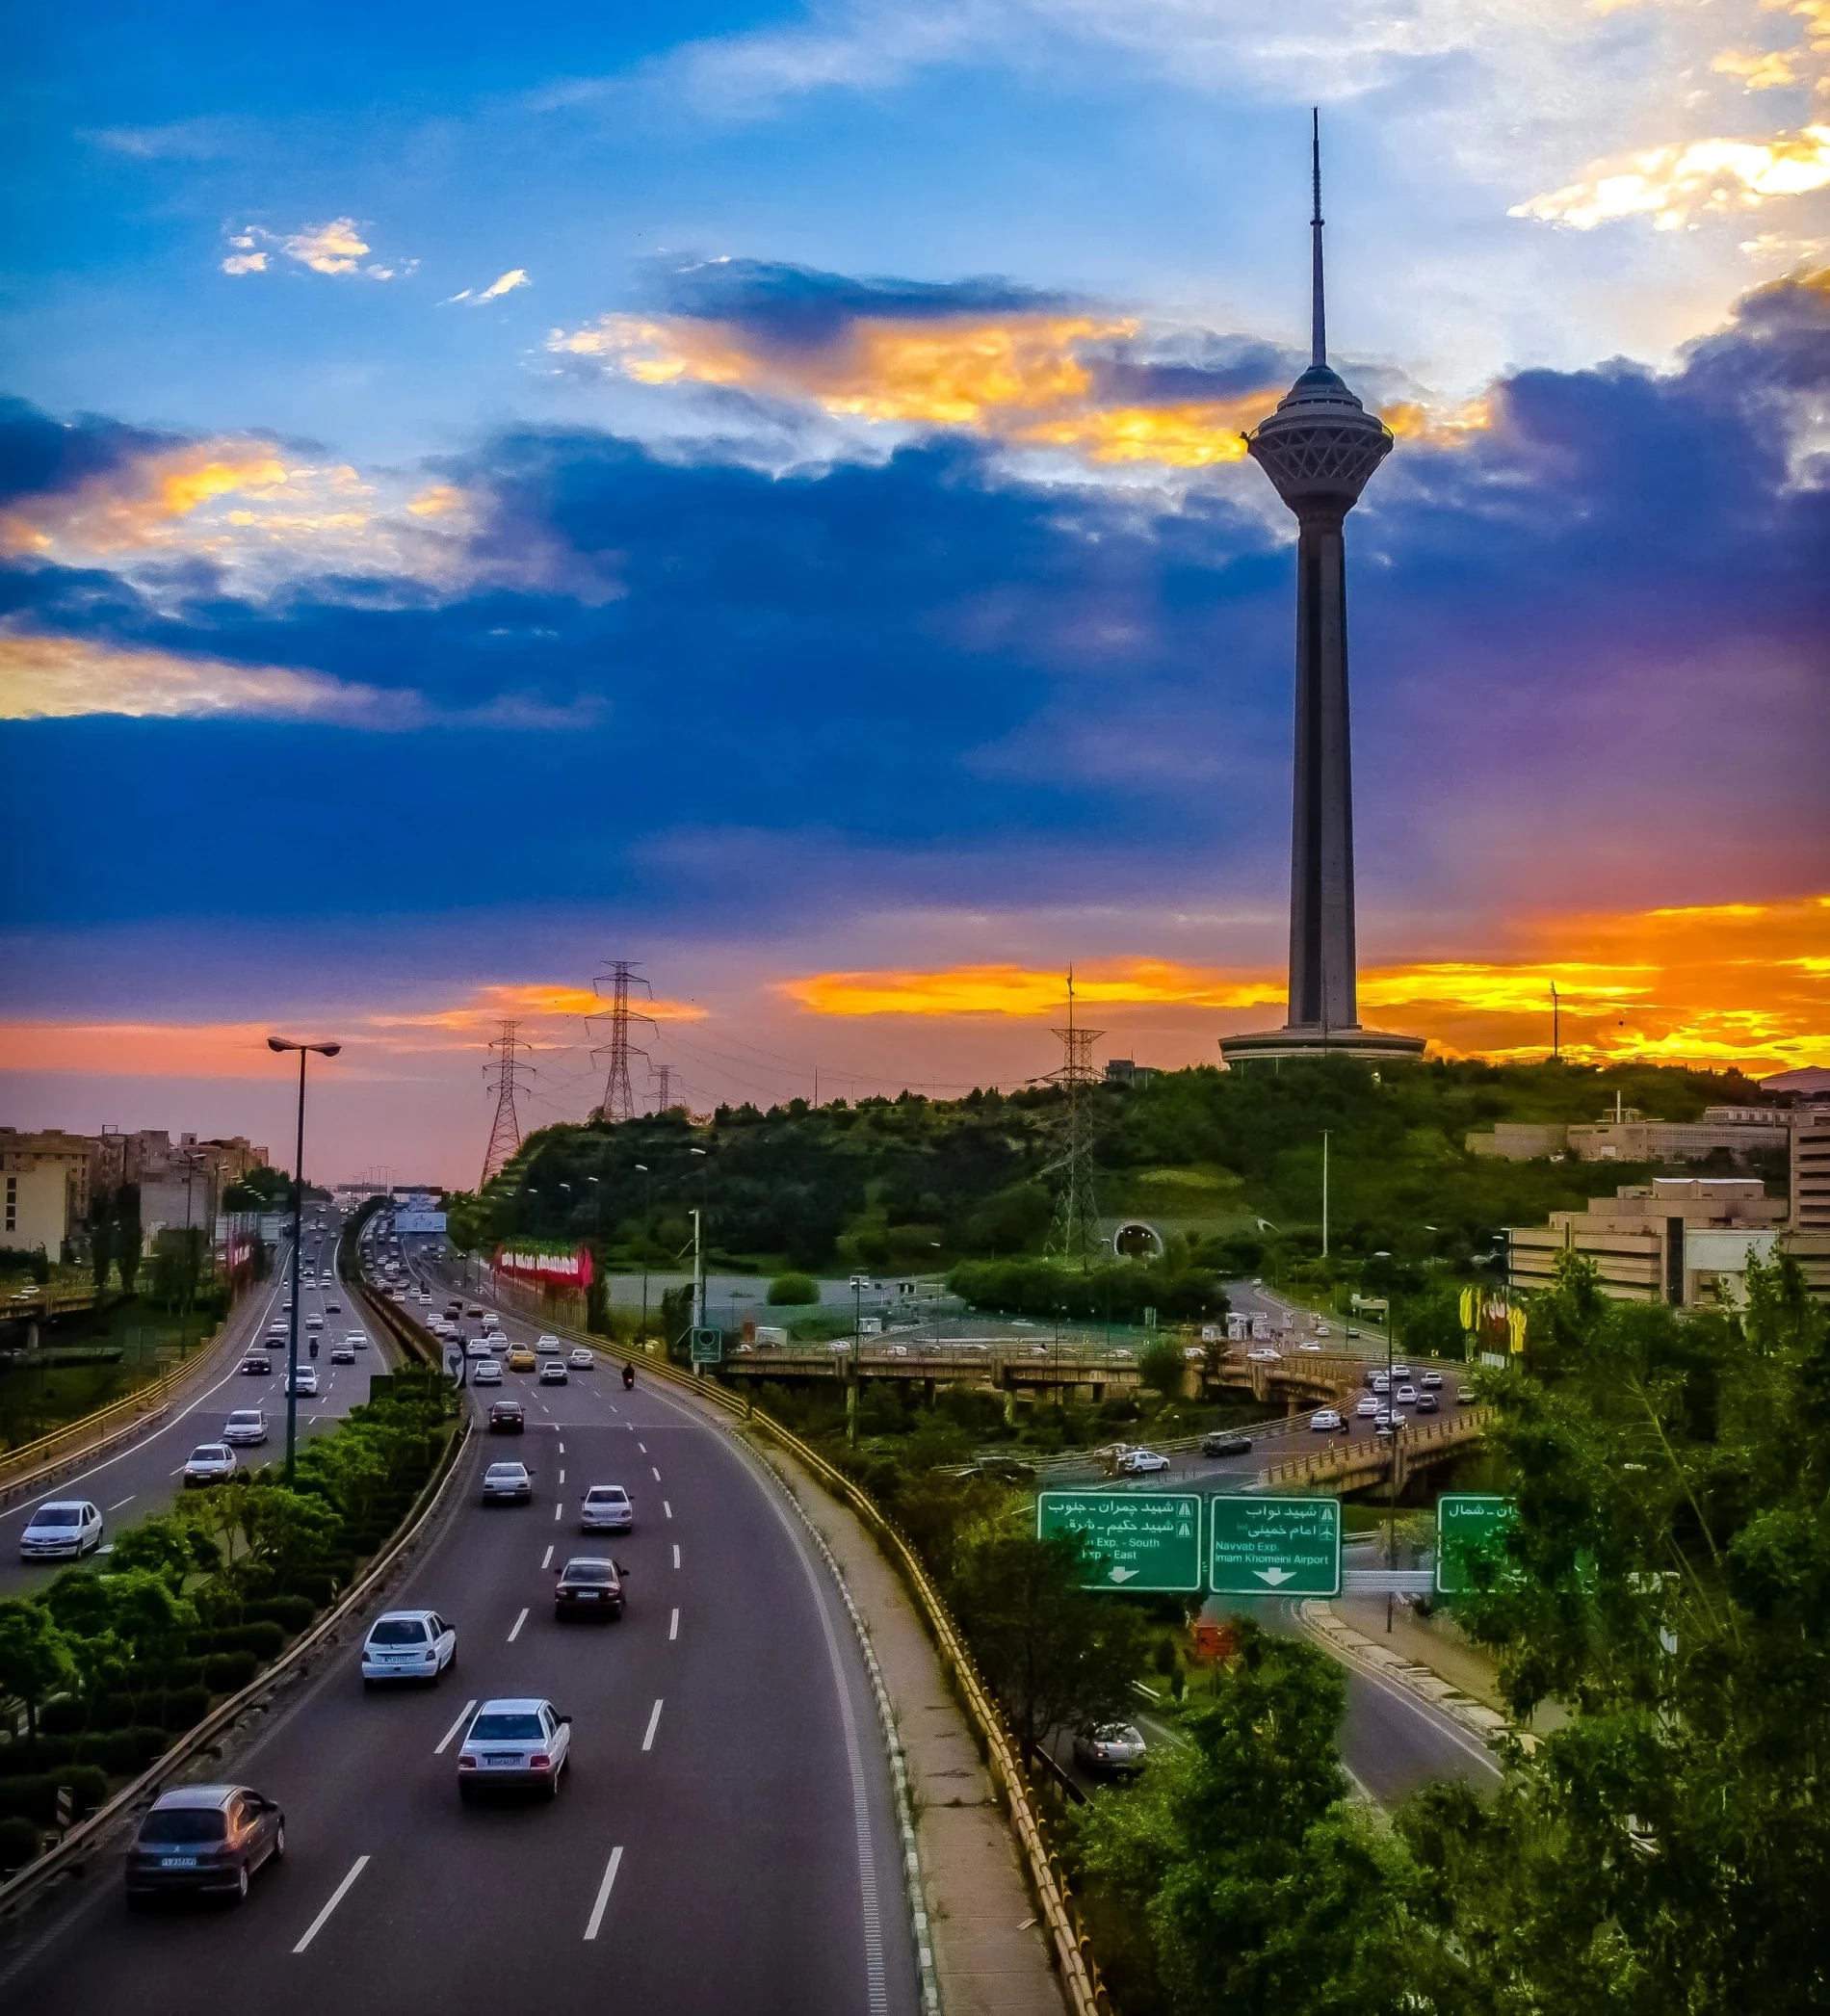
(1324, 1194)
(699, 1241)
(648, 1218)
(282, 1045)
(857, 1348)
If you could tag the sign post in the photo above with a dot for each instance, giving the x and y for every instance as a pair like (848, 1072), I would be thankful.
(1466, 1521)
(708, 1347)
(1145, 1540)
(1276, 1546)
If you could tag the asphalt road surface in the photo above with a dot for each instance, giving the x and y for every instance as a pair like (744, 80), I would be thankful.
(146, 1477)
(724, 1840)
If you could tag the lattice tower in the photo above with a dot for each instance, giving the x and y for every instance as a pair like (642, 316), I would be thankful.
(1074, 1233)
(619, 1098)
(503, 1073)
(664, 1098)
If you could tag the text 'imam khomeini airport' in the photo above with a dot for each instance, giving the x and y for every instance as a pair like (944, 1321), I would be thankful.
(1318, 448)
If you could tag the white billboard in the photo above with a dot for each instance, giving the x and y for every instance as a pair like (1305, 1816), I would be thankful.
(419, 1221)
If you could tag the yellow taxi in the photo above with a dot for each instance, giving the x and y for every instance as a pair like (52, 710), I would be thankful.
(520, 1358)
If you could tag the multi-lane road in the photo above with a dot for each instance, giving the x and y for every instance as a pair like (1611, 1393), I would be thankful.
(145, 1476)
(726, 1837)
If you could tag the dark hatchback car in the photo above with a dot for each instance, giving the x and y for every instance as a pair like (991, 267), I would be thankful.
(257, 1365)
(1224, 1442)
(508, 1417)
(204, 1840)
(590, 1587)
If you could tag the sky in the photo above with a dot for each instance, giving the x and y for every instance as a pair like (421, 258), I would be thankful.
(758, 492)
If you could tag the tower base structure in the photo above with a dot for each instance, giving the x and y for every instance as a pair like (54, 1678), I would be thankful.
(1370, 1046)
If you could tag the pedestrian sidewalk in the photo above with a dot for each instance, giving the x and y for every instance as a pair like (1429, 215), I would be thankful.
(1409, 1663)
(990, 1955)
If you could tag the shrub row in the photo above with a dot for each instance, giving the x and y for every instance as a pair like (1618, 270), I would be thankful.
(34, 1797)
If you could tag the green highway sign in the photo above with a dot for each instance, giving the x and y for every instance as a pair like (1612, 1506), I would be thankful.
(1274, 1546)
(1465, 1521)
(1148, 1540)
(708, 1347)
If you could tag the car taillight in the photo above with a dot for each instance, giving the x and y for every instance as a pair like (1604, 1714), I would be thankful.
(539, 1762)
(465, 1761)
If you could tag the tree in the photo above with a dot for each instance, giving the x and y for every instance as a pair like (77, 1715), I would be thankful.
(173, 1546)
(791, 1290)
(1052, 1652)
(101, 1229)
(1237, 1877)
(1161, 1367)
(128, 1241)
(1668, 1848)
(36, 1660)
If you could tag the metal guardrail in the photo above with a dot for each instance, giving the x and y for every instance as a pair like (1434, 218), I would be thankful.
(1079, 1972)
(1467, 1427)
(88, 1835)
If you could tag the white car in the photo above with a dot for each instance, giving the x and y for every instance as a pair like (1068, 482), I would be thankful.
(1142, 1462)
(487, 1374)
(554, 1373)
(1366, 1408)
(1400, 1371)
(64, 1530)
(477, 1348)
(304, 1381)
(1264, 1356)
(1325, 1419)
(357, 1340)
(342, 1354)
(607, 1510)
(581, 1360)
(407, 1644)
(548, 1343)
(1309, 1347)
(314, 1322)
(210, 1463)
(507, 1483)
(245, 1424)
(1407, 1395)
(519, 1742)
(1431, 1379)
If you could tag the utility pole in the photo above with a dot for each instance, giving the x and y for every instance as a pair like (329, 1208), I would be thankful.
(665, 1101)
(857, 1349)
(505, 1134)
(698, 1241)
(619, 1098)
(1324, 1194)
(1556, 1031)
(647, 1215)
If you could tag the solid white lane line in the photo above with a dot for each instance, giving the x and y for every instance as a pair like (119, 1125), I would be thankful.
(603, 1894)
(546, 1559)
(445, 1742)
(518, 1622)
(654, 1722)
(337, 1896)
(666, 1508)
(676, 1553)
(119, 1501)
(673, 1627)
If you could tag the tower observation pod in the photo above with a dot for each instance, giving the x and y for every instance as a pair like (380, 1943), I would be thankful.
(1320, 449)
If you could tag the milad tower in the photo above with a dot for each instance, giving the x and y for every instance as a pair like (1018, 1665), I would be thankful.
(1319, 448)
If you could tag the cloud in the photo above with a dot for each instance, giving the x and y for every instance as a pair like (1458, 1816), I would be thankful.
(507, 283)
(1722, 983)
(1671, 185)
(60, 678)
(337, 248)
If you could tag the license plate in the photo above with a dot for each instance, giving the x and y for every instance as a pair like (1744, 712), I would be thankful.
(177, 1862)
(502, 1764)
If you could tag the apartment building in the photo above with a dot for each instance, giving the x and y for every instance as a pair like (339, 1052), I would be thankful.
(43, 1186)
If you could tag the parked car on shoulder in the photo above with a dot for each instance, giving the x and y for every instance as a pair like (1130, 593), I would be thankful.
(204, 1838)
(64, 1530)
(1110, 1747)
(589, 1586)
(407, 1644)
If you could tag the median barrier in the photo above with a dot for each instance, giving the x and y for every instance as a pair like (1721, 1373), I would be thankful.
(1067, 1938)
(91, 1834)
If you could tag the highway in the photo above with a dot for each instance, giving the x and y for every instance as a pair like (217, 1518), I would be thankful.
(143, 1478)
(725, 1840)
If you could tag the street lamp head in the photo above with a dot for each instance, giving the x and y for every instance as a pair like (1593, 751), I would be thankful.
(641, 1166)
(280, 1043)
(696, 1151)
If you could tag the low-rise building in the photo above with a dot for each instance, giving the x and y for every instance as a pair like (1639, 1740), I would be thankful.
(1811, 1175)
(1628, 1136)
(43, 1188)
(1669, 1241)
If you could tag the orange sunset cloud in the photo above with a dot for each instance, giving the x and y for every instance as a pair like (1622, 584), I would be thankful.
(1747, 983)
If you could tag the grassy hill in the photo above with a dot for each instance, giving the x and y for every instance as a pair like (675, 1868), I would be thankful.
(1226, 1165)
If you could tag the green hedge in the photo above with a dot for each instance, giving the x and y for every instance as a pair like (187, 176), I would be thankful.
(34, 1797)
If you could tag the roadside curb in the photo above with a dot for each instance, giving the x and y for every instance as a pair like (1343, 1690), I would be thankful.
(90, 1835)
(1354, 1647)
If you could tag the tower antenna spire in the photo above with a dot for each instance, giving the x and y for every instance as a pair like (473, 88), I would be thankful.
(1318, 321)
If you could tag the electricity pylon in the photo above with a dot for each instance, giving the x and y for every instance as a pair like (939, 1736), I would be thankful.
(619, 1098)
(504, 1071)
(1074, 1233)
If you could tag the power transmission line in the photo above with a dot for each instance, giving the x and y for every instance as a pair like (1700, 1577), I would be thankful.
(506, 1068)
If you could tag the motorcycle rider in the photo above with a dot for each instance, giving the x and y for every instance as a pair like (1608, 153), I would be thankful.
(629, 1375)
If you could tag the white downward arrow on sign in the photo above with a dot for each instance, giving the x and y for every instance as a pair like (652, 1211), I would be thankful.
(1123, 1574)
(1274, 1576)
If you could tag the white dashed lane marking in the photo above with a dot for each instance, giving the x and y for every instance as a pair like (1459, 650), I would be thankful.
(445, 1742)
(654, 1723)
(666, 1508)
(515, 1633)
(546, 1559)
(603, 1894)
(337, 1896)
(676, 1553)
(673, 1627)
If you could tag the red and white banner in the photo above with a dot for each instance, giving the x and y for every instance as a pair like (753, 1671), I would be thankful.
(565, 1270)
